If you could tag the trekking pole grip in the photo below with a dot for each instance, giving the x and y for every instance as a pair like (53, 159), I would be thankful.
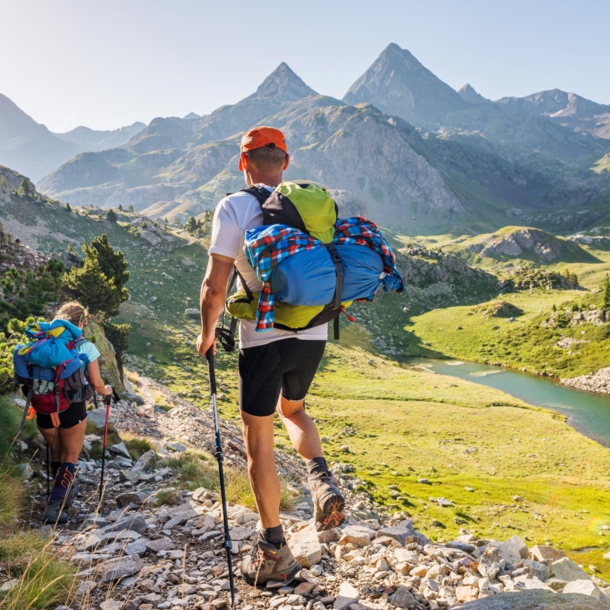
(210, 358)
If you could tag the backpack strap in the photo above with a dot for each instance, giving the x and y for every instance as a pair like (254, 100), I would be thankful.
(259, 192)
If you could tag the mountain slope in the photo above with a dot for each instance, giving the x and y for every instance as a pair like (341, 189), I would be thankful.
(27, 145)
(398, 84)
(526, 244)
(563, 108)
(33, 150)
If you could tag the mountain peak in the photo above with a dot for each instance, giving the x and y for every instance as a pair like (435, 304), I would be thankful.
(469, 94)
(397, 83)
(284, 85)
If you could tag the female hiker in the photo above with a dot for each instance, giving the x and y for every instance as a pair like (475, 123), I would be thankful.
(66, 441)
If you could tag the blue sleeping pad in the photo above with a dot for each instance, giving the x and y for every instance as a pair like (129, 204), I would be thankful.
(305, 278)
(20, 364)
(309, 278)
(362, 269)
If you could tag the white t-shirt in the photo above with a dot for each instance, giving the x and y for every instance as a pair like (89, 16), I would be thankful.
(235, 215)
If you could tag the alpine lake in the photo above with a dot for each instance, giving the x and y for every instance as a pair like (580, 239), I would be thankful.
(588, 413)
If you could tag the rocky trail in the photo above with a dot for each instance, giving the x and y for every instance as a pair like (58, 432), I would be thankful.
(133, 552)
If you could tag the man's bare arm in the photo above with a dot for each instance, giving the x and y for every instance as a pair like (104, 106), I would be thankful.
(212, 299)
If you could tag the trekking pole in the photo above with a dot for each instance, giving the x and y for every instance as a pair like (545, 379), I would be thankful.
(107, 400)
(48, 471)
(227, 544)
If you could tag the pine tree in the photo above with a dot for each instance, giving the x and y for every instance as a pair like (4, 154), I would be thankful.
(131, 209)
(92, 288)
(68, 207)
(111, 216)
(120, 208)
(26, 189)
(100, 282)
(191, 225)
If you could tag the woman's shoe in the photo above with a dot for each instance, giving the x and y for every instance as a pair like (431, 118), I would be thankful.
(55, 512)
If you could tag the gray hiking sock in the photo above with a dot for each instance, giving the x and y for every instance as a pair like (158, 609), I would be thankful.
(275, 535)
(318, 466)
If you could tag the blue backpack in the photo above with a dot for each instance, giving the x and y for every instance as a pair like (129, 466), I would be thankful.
(49, 369)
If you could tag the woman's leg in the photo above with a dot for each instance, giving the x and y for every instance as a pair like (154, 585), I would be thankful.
(71, 445)
(51, 436)
(72, 440)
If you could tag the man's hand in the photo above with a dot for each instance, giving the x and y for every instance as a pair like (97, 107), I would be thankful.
(205, 342)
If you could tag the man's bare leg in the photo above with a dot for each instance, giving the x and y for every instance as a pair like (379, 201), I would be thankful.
(258, 438)
(302, 431)
(327, 499)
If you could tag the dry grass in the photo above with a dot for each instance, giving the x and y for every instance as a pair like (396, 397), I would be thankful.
(43, 579)
(136, 445)
(197, 469)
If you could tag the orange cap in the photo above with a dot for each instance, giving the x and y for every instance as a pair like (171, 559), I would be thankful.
(262, 136)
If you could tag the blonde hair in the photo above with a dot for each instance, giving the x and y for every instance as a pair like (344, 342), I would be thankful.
(73, 312)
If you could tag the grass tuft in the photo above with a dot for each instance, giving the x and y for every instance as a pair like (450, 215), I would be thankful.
(136, 445)
(11, 496)
(43, 579)
(197, 469)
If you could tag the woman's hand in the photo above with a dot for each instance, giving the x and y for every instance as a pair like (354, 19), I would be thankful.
(108, 390)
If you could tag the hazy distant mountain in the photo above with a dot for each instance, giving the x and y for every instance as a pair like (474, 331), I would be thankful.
(31, 149)
(563, 108)
(473, 164)
(471, 96)
(398, 84)
(27, 146)
(92, 140)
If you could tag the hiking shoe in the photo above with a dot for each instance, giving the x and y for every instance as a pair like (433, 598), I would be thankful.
(71, 495)
(55, 513)
(268, 562)
(328, 503)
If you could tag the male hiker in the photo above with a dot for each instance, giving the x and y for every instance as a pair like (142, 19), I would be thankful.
(276, 367)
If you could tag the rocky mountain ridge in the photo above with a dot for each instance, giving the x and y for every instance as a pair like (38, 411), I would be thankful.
(398, 84)
(460, 163)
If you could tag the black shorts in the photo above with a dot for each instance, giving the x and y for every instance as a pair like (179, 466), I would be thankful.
(69, 418)
(287, 366)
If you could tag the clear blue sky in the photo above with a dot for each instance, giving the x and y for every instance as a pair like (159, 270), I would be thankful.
(107, 63)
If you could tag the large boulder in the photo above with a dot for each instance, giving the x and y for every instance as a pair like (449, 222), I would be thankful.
(536, 600)
(108, 364)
